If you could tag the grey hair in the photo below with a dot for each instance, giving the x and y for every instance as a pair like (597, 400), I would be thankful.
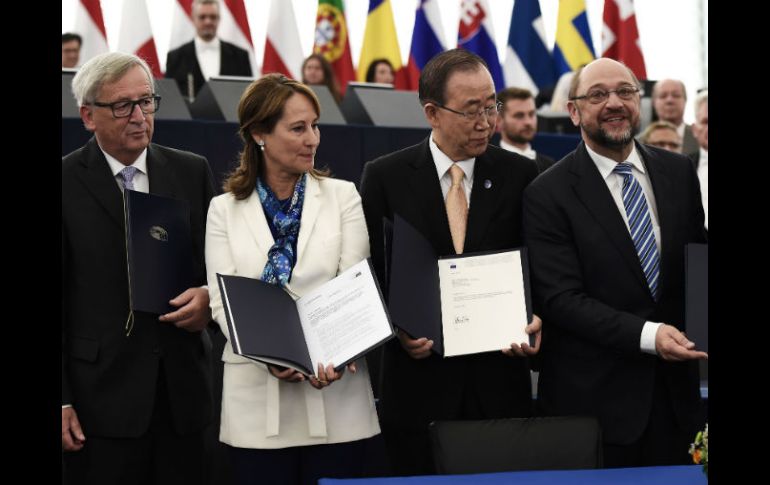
(104, 69)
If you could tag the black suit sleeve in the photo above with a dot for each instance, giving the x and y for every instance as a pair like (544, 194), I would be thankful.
(557, 279)
(375, 208)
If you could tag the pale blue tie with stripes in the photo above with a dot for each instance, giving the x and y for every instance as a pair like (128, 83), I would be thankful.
(640, 225)
(127, 177)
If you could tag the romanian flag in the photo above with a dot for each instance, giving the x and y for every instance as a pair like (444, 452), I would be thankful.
(380, 41)
(574, 47)
(331, 40)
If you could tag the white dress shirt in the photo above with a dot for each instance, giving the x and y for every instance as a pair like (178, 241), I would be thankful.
(444, 163)
(208, 54)
(703, 178)
(614, 183)
(527, 152)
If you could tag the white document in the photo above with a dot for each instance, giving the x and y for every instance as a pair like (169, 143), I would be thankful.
(483, 305)
(344, 317)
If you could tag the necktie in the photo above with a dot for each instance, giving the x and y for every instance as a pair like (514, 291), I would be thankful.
(457, 208)
(127, 177)
(640, 225)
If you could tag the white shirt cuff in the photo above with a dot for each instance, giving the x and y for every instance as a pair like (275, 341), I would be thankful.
(66, 406)
(647, 340)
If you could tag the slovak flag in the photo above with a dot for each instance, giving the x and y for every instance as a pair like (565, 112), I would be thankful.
(477, 35)
(528, 62)
(620, 37)
(427, 40)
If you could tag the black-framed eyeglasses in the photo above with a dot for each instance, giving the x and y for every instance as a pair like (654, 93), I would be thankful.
(490, 111)
(123, 109)
(597, 96)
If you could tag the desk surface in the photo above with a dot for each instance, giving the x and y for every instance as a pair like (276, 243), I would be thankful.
(658, 475)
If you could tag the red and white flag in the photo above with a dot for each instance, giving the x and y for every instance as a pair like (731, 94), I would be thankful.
(620, 37)
(234, 28)
(182, 27)
(136, 34)
(283, 52)
(89, 23)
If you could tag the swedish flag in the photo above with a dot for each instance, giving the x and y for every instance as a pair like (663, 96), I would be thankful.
(573, 37)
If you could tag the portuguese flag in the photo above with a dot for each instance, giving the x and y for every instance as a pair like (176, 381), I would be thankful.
(331, 40)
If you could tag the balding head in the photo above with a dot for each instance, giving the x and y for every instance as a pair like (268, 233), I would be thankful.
(668, 99)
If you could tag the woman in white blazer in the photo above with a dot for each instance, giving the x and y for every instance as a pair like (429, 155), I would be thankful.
(284, 222)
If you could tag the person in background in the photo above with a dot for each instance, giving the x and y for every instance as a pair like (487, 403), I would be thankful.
(606, 230)
(463, 195)
(70, 49)
(662, 134)
(518, 125)
(316, 70)
(136, 387)
(283, 221)
(206, 55)
(381, 71)
(700, 158)
(669, 97)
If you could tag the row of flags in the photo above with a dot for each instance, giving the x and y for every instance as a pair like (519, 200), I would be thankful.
(528, 62)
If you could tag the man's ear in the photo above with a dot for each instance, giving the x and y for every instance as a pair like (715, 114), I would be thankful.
(87, 115)
(574, 113)
(431, 114)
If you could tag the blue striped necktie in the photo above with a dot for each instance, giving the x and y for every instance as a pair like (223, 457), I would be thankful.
(640, 225)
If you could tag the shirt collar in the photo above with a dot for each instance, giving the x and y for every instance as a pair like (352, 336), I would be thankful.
(202, 45)
(140, 163)
(607, 165)
(527, 152)
(444, 163)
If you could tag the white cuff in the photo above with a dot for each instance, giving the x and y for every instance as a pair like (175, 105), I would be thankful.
(647, 340)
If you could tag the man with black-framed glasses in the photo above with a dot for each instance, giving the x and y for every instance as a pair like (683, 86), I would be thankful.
(464, 195)
(606, 228)
(135, 400)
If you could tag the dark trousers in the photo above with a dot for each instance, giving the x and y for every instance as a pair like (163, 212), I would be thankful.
(299, 465)
(160, 456)
(663, 442)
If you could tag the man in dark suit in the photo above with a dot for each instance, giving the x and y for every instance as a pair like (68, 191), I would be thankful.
(427, 184)
(613, 315)
(206, 55)
(518, 125)
(669, 98)
(136, 392)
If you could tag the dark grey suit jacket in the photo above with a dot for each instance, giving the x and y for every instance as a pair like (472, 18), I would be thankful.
(111, 378)
(182, 61)
(592, 295)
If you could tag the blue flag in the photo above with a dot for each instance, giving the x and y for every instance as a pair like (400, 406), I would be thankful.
(476, 35)
(528, 61)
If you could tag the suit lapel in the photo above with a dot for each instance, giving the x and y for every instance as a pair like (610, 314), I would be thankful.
(592, 191)
(162, 181)
(482, 200)
(99, 181)
(310, 210)
(429, 201)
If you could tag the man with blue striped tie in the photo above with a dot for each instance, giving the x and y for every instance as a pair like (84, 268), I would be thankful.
(606, 229)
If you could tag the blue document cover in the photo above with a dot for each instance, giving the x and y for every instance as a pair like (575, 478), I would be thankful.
(158, 249)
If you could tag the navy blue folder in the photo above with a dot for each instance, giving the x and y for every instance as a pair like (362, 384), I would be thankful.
(414, 298)
(697, 312)
(158, 249)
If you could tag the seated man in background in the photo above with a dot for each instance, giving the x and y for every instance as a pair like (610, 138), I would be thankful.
(70, 49)
(518, 125)
(662, 134)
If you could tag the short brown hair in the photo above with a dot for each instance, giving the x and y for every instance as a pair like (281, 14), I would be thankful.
(260, 108)
(435, 74)
(508, 94)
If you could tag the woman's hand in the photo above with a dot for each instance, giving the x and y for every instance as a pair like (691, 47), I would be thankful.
(328, 375)
(285, 373)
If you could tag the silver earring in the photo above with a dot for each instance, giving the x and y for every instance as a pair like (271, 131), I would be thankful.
(261, 144)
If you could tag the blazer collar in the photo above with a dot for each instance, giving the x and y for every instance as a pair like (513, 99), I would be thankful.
(429, 200)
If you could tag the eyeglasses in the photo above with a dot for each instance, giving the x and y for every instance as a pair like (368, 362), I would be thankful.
(490, 111)
(600, 95)
(124, 109)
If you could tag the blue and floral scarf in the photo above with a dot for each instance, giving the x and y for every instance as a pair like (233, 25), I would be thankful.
(284, 224)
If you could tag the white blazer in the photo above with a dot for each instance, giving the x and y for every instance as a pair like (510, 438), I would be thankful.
(259, 410)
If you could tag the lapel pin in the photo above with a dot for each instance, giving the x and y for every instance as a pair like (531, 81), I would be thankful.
(487, 184)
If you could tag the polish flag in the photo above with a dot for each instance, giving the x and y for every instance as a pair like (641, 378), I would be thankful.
(89, 23)
(283, 52)
(234, 27)
(136, 34)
